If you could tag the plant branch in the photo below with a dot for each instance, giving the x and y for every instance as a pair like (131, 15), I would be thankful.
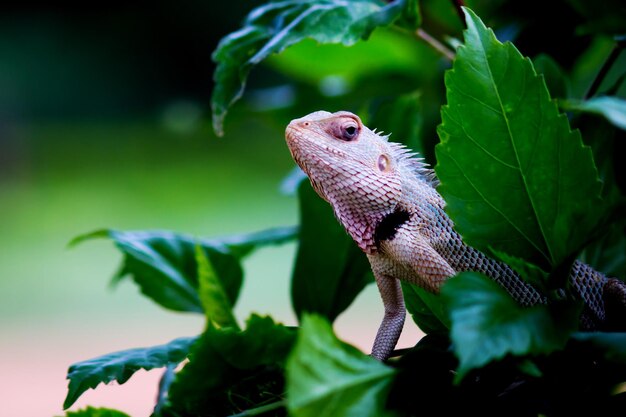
(261, 410)
(617, 49)
(438, 46)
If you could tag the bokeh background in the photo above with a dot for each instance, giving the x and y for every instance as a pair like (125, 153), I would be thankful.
(105, 123)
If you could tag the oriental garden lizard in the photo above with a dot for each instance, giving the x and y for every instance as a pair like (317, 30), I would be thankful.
(386, 199)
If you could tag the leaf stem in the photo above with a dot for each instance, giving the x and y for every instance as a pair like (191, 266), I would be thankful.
(617, 49)
(438, 46)
(261, 410)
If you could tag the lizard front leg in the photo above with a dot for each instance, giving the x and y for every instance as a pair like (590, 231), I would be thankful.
(410, 258)
(393, 320)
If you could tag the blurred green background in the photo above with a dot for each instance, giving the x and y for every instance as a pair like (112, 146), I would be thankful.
(104, 122)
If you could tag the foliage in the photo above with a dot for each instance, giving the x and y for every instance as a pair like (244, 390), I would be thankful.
(120, 366)
(278, 24)
(612, 108)
(520, 184)
(487, 324)
(329, 378)
(96, 412)
(500, 119)
(163, 264)
(231, 369)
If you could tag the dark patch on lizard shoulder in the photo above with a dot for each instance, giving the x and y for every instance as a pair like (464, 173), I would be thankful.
(387, 228)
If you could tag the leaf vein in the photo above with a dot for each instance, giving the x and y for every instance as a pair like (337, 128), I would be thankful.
(495, 208)
(517, 157)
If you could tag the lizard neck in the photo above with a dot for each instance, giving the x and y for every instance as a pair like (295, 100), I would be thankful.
(387, 228)
(360, 224)
(377, 219)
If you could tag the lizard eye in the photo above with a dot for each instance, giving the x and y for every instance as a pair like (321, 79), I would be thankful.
(349, 131)
(346, 129)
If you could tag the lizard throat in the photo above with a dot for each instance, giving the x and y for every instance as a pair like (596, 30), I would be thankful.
(386, 229)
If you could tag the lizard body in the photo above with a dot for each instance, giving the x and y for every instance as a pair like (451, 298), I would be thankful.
(387, 201)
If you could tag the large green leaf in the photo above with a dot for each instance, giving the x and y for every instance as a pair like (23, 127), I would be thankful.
(607, 144)
(557, 82)
(513, 174)
(426, 309)
(326, 377)
(164, 265)
(230, 370)
(488, 324)
(214, 299)
(274, 26)
(607, 253)
(96, 412)
(330, 270)
(612, 109)
(120, 366)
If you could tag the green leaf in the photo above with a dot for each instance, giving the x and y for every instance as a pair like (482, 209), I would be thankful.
(120, 366)
(310, 62)
(513, 174)
(230, 370)
(553, 74)
(214, 299)
(612, 344)
(608, 254)
(244, 244)
(488, 324)
(606, 144)
(326, 377)
(330, 270)
(426, 309)
(612, 109)
(96, 412)
(164, 265)
(276, 25)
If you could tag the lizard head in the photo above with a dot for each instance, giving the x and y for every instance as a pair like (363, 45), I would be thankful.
(359, 172)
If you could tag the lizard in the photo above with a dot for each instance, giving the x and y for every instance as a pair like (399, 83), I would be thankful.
(386, 198)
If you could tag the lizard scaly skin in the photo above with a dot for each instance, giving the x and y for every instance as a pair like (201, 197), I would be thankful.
(387, 201)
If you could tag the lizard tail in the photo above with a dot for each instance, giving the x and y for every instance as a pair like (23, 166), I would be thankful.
(614, 295)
